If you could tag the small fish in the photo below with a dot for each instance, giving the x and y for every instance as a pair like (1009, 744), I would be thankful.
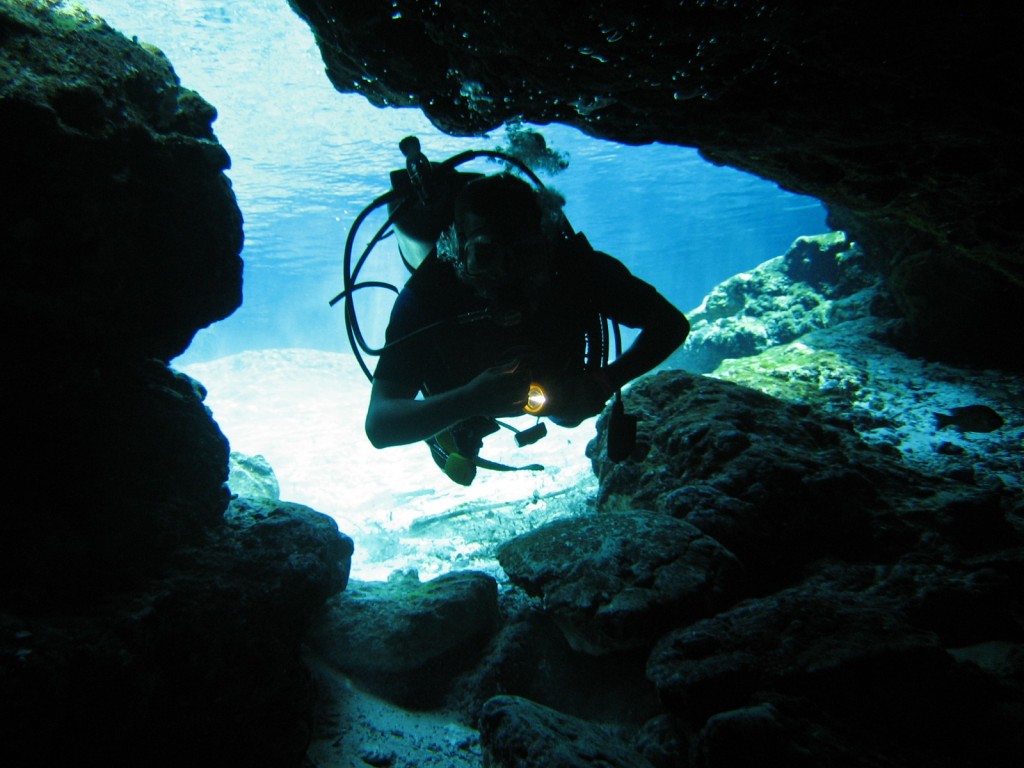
(969, 418)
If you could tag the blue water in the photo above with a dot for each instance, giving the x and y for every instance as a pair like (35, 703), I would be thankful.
(306, 160)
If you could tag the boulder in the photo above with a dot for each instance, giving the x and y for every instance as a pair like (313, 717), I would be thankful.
(125, 229)
(530, 657)
(799, 639)
(203, 659)
(140, 472)
(405, 639)
(853, 676)
(287, 549)
(618, 581)
(772, 482)
(662, 740)
(820, 282)
(517, 733)
(252, 476)
(766, 734)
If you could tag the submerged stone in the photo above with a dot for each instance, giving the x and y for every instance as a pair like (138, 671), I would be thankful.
(820, 282)
(813, 640)
(252, 476)
(771, 481)
(618, 581)
(518, 733)
(405, 639)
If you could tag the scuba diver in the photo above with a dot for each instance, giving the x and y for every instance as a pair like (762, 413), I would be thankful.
(499, 319)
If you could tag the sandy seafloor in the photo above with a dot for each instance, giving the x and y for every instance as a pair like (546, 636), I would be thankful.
(303, 411)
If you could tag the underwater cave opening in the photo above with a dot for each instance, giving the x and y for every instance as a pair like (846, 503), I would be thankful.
(305, 161)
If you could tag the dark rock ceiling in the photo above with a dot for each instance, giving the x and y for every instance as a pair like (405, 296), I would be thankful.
(904, 121)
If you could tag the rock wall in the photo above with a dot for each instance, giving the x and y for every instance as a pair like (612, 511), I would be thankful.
(123, 237)
(833, 603)
(141, 621)
(125, 230)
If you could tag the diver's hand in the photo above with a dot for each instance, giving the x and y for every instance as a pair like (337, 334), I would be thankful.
(498, 391)
(577, 398)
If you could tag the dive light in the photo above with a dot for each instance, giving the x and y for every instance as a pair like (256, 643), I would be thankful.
(535, 400)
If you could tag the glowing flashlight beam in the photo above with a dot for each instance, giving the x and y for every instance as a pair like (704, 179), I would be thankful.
(535, 400)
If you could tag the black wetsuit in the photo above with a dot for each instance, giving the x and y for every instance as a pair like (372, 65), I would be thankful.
(551, 342)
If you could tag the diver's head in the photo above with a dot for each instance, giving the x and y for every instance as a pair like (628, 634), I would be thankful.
(500, 243)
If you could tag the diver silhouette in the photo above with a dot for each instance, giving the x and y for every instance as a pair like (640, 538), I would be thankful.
(506, 315)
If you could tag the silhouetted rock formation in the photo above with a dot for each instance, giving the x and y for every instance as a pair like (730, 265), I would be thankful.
(877, 621)
(519, 733)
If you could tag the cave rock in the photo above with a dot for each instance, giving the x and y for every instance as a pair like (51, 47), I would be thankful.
(804, 639)
(775, 484)
(820, 282)
(124, 231)
(252, 476)
(403, 638)
(529, 657)
(518, 733)
(905, 125)
(200, 659)
(841, 668)
(617, 581)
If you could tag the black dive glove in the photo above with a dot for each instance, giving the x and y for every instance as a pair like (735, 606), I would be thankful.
(576, 398)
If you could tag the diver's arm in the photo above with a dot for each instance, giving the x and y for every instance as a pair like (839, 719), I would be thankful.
(395, 417)
(663, 331)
